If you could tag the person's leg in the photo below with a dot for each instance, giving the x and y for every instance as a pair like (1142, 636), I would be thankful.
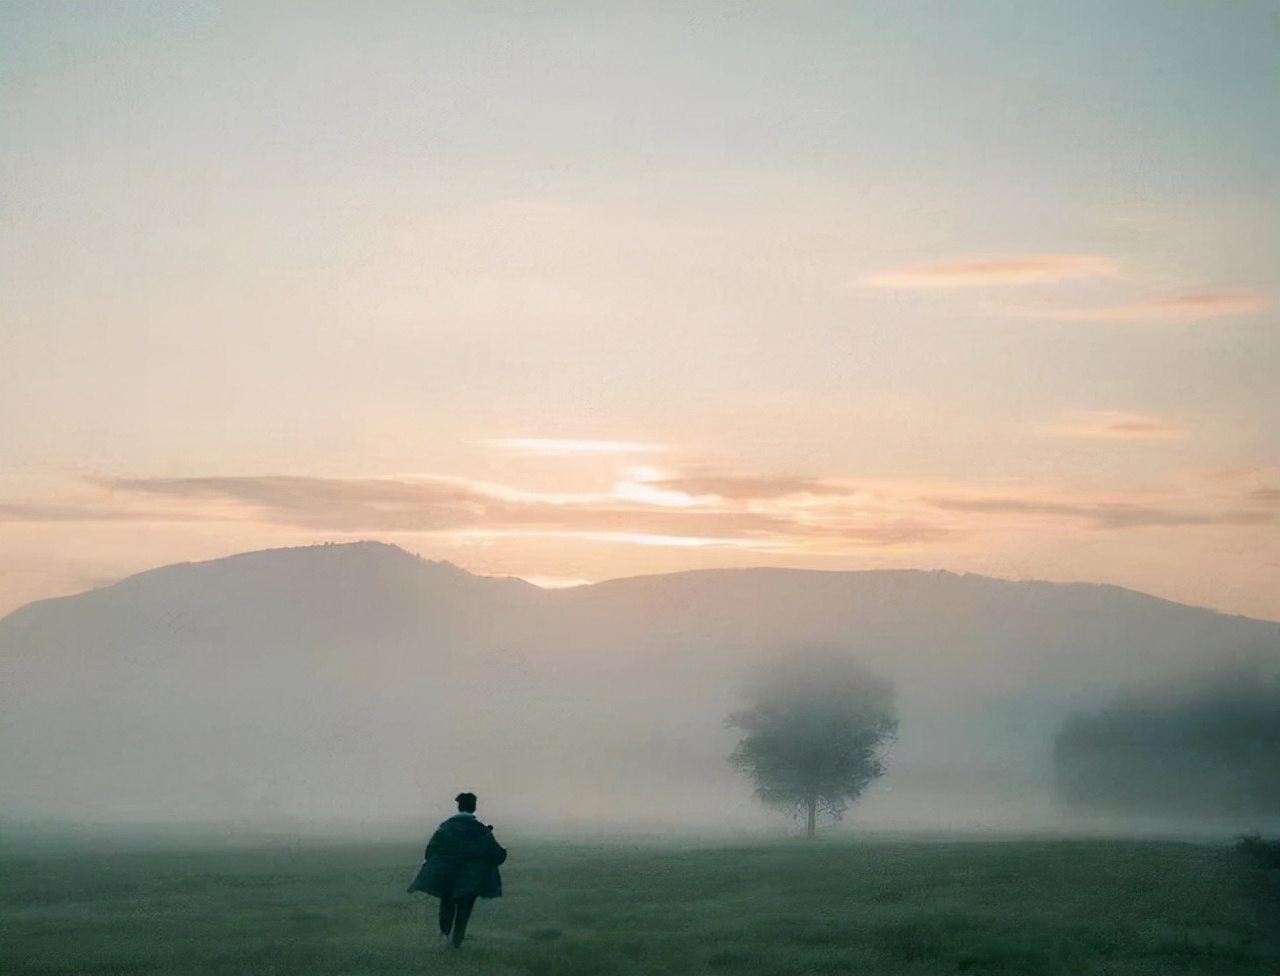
(463, 916)
(447, 908)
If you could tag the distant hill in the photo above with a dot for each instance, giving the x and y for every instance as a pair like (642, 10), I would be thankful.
(360, 683)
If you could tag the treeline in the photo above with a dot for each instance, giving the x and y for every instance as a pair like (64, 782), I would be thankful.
(1211, 749)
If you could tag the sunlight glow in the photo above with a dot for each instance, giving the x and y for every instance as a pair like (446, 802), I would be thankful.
(631, 538)
(556, 582)
(559, 448)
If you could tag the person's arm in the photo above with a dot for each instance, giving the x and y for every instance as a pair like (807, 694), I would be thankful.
(433, 845)
(495, 853)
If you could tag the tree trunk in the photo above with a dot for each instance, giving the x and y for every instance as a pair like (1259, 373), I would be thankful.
(812, 809)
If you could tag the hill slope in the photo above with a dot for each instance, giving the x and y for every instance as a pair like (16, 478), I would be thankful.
(359, 682)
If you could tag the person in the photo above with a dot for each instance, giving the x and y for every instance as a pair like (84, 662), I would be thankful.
(460, 865)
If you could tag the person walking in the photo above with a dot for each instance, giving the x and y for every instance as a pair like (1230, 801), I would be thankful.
(460, 865)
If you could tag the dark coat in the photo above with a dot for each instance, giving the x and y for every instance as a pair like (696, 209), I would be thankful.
(461, 861)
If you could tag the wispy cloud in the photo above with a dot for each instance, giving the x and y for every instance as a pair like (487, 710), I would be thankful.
(695, 508)
(1112, 425)
(551, 447)
(342, 504)
(1104, 514)
(998, 271)
(95, 511)
(1200, 305)
(746, 486)
(633, 511)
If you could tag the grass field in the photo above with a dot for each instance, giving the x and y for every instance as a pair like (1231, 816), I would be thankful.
(1018, 907)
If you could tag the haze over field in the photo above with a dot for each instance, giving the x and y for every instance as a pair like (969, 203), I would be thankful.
(334, 686)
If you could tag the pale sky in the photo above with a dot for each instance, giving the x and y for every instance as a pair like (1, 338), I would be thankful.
(572, 291)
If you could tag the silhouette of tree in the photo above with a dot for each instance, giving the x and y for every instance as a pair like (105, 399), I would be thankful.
(815, 733)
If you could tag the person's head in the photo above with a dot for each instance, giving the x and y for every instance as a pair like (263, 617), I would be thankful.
(466, 802)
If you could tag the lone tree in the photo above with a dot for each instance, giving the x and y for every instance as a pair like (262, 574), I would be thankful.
(815, 734)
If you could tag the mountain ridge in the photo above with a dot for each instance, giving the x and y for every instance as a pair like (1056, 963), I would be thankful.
(406, 557)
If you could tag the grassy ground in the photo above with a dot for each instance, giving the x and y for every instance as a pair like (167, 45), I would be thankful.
(1088, 907)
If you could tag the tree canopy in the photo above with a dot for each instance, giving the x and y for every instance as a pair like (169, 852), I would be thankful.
(815, 732)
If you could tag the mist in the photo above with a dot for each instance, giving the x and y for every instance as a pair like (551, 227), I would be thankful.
(356, 688)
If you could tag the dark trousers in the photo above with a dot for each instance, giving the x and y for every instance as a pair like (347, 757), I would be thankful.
(454, 914)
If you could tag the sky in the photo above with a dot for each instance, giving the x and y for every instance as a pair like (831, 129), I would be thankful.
(574, 291)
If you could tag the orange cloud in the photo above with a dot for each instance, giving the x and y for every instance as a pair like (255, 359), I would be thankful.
(91, 512)
(452, 506)
(1112, 425)
(1200, 305)
(1103, 514)
(746, 512)
(999, 271)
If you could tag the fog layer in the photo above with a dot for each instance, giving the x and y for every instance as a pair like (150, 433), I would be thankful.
(361, 686)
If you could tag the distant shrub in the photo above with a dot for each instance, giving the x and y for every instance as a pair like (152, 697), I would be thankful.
(1210, 747)
(1265, 851)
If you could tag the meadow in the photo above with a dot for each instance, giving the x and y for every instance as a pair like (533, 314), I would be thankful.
(830, 906)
